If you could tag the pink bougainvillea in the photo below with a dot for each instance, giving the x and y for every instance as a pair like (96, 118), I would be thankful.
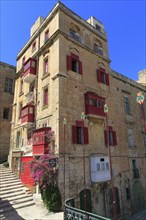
(42, 173)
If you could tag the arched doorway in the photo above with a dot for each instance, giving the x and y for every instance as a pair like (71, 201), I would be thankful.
(88, 200)
(117, 199)
(138, 196)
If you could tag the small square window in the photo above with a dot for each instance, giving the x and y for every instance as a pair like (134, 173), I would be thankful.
(6, 113)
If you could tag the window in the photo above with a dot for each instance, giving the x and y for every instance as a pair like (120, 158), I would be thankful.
(29, 137)
(74, 64)
(33, 46)
(131, 141)
(18, 140)
(127, 106)
(8, 85)
(21, 87)
(102, 76)
(98, 27)
(23, 61)
(102, 165)
(98, 49)
(79, 133)
(112, 138)
(20, 108)
(75, 35)
(127, 193)
(46, 36)
(6, 113)
(46, 66)
(45, 98)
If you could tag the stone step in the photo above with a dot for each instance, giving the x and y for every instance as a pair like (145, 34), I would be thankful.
(10, 184)
(17, 206)
(10, 181)
(16, 197)
(5, 188)
(10, 191)
(7, 196)
(7, 179)
(7, 203)
(7, 175)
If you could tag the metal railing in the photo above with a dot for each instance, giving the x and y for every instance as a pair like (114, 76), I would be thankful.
(71, 213)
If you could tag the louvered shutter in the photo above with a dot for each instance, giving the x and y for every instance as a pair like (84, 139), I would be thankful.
(69, 62)
(98, 75)
(114, 138)
(80, 67)
(86, 139)
(74, 134)
(107, 79)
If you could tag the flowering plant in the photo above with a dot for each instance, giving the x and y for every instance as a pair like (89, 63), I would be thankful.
(42, 173)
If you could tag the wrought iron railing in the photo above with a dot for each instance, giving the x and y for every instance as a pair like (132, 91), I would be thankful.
(72, 213)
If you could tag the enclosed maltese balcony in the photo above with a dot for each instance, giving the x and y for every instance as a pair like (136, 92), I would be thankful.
(27, 115)
(29, 70)
(42, 138)
(99, 168)
(94, 105)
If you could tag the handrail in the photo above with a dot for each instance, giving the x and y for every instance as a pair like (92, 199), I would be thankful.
(72, 213)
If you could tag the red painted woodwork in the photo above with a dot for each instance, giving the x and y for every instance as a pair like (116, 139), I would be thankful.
(114, 136)
(27, 114)
(74, 132)
(41, 140)
(26, 177)
(94, 104)
(69, 62)
(30, 67)
(102, 76)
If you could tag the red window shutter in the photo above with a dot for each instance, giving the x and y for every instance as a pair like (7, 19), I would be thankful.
(46, 97)
(98, 75)
(110, 128)
(114, 138)
(105, 138)
(69, 62)
(107, 79)
(86, 139)
(80, 68)
(74, 134)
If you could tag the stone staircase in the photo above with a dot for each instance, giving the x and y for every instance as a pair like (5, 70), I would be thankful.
(13, 195)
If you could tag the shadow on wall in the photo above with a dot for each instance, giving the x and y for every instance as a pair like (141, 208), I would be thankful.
(7, 212)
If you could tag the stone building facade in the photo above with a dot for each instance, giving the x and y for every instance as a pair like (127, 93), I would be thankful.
(7, 74)
(63, 71)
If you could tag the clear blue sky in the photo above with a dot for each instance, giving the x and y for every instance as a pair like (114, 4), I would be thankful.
(125, 23)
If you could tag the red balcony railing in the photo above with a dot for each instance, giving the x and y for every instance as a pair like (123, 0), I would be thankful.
(41, 139)
(27, 114)
(94, 105)
(29, 70)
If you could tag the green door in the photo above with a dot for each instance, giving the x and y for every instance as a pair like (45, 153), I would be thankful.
(138, 196)
(88, 200)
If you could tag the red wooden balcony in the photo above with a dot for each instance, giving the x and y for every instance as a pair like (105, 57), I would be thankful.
(29, 70)
(41, 139)
(94, 105)
(27, 115)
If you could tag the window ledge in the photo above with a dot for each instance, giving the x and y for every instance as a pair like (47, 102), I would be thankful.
(44, 107)
(45, 76)
(21, 93)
